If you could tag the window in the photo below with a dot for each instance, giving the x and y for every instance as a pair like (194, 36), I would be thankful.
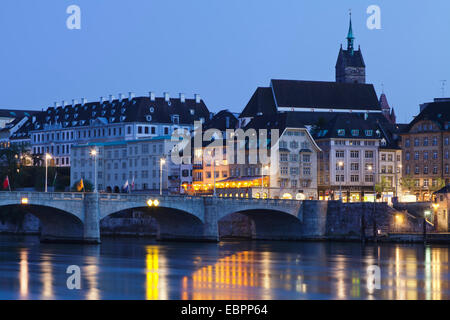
(306, 171)
(354, 178)
(407, 156)
(341, 132)
(416, 142)
(435, 155)
(340, 178)
(425, 141)
(369, 133)
(435, 170)
(417, 170)
(354, 166)
(355, 133)
(416, 155)
(354, 154)
(425, 155)
(306, 158)
(407, 143)
(368, 154)
(368, 178)
(425, 170)
(435, 141)
(340, 154)
(283, 157)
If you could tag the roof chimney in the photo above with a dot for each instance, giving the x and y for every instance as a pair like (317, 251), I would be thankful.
(63, 104)
(182, 98)
(102, 99)
(74, 102)
(120, 97)
(152, 96)
(55, 105)
(111, 98)
(166, 97)
(197, 98)
(83, 101)
(130, 96)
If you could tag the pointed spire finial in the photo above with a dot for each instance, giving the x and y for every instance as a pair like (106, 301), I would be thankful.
(350, 37)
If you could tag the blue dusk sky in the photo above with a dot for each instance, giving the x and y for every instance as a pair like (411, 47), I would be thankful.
(221, 49)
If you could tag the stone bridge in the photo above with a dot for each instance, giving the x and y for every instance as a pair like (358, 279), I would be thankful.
(76, 216)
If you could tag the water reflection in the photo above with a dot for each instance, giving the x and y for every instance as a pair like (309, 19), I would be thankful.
(23, 275)
(47, 277)
(133, 269)
(156, 282)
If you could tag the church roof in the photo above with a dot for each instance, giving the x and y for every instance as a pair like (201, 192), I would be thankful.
(326, 95)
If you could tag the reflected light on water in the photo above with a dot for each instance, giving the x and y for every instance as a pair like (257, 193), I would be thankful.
(91, 273)
(156, 268)
(47, 277)
(23, 273)
(223, 280)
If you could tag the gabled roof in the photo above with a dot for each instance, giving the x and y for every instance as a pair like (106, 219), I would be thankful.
(221, 121)
(325, 95)
(10, 113)
(438, 111)
(261, 102)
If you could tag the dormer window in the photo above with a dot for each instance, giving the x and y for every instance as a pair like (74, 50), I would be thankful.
(94, 113)
(355, 133)
(149, 118)
(122, 118)
(66, 116)
(383, 142)
(123, 110)
(113, 111)
(192, 111)
(369, 133)
(103, 112)
(75, 115)
(341, 132)
(152, 109)
(112, 119)
(176, 119)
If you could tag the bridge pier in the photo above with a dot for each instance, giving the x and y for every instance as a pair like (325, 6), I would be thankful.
(91, 218)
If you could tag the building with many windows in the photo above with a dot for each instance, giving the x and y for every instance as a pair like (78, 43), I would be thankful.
(137, 162)
(425, 144)
(57, 129)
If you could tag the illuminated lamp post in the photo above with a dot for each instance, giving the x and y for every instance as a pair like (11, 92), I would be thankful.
(47, 158)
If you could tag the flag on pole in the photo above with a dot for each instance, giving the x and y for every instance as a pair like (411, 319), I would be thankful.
(132, 184)
(126, 187)
(6, 184)
(80, 185)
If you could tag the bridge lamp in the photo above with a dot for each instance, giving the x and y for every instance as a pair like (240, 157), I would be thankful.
(150, 203)
(156, 202)
(24, 201)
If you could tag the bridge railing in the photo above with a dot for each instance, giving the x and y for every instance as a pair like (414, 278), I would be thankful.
(18, 195)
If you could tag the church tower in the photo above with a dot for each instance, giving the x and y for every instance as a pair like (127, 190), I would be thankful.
(350, 66)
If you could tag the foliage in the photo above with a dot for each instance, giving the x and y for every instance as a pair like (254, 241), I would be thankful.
(407, 183)
(440, 183)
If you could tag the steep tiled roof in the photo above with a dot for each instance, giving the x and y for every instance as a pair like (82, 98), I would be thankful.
(438, 111)
(325, 95)
(261, 102)
(140, 109)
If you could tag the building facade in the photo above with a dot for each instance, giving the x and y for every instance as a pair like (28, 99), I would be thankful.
(425, 145)
(57, 129)
(136, 162)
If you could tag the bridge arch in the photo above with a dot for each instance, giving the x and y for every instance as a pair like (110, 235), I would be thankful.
(55, 224)
(261, 222)
(173, 221)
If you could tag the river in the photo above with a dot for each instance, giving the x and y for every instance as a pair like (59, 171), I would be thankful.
(146, 269)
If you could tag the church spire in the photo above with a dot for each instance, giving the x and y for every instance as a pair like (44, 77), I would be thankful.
(350, 37)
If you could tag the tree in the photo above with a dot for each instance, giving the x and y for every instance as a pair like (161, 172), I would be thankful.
(382, 186)
(407, 183)
(440, 183)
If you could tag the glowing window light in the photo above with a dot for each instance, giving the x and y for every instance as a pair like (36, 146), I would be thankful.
(24, 201)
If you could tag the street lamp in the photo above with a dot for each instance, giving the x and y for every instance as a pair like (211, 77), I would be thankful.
(372, 169)
(94, 154)
(341, 166)
(47, 158)
(396, 180)
(162, 161)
